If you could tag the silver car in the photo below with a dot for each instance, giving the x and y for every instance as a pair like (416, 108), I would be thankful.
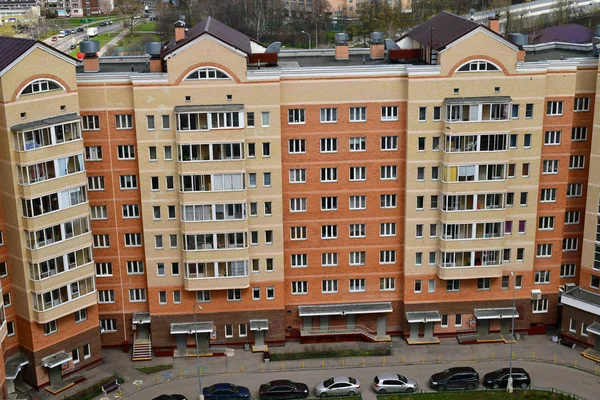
(338, 386)
(392, 383)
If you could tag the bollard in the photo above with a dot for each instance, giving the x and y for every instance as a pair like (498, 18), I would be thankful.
(474, 356)
(302, 364)
(575, 364)
(201, 370)
(323, 364)
(422, 359)
(343, 362)
(492, 355)
(513, 355)
(383, 361)
(242, 367)
(402, 359)
(596, 369)
(363, 362)
(533, 355)
(439, 359)
(157, 378)
(180, 373)
(282, 367)
(555, 359)
(262, 367)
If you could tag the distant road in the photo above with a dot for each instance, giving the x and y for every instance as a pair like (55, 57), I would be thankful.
(63, 44)
(536, 7)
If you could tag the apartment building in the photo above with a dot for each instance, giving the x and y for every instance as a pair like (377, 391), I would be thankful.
(222, 193)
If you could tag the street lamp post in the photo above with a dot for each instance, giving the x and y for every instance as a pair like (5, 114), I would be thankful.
(306, 33)
(200, 395)
(509, 384)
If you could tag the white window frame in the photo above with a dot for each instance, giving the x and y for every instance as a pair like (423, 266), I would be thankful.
(329, 115)
(358, 114)
(389, 113)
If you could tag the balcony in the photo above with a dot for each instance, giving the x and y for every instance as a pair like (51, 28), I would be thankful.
(69, 307)
(62, 279)
(216, 275)
(220, 283)
(465, 110)
(470, 264)
(448, 271)
(472, 230)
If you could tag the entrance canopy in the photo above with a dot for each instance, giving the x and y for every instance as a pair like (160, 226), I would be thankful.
(496, 313)
(594, 328)
(13, 366)
(141, 318)
(344, 309)
(259, 324)
(56, 359)
(423, 316)
(190, 327)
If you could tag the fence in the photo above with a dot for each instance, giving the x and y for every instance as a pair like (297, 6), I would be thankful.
(543, 389)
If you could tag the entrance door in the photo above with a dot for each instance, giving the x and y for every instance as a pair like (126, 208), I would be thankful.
(414, 330)
(259, 338)
(203, 339)
(428, 330)
(597, 343)
(181, 342)
(143, 331)
(505, 326)
(307, 323)
(350, 321)
(483, 327)
(381, 325)
(324, 322)
(55, 375)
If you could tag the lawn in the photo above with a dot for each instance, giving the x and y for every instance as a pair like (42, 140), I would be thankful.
(155, 368)
(76, 21)
(329, 353)
(103, 38)
(146, 27)
(480, 395)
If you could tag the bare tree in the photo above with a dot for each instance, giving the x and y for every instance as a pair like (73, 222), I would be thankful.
(129, 9)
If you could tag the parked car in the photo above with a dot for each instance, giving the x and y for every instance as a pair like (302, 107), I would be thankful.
(54, 38)
(170, 397)
(222, 391)
(392, 383)
(338, 386)
(499, 379)
(283, 389)
(61, 35)
(102, 24)
(110, 22)
(80, 29)
(457, 378)
(73, 46)
(73, 31)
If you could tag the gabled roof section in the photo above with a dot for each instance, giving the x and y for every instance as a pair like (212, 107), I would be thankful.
(216, 29)
(13, 48)
(447, 28)
(570, 33)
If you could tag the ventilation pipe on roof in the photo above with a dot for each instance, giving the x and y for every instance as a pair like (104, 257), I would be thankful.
(377, 48)
(494, 23)
(179, 30)
(341, 46)
(90, 48)
(153, 50)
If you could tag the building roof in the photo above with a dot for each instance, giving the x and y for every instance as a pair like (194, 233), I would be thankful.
(447, 27)
(583, 295)
(570, 33)
(218, 30)
(12, 48)
(344, 309)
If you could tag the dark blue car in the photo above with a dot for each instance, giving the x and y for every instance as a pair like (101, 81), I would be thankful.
(225, 391)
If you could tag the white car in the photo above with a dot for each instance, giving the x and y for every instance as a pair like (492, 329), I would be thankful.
(338, 386)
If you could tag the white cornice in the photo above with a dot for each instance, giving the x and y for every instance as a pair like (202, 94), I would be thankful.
(204, 36)
(268, 74)
(423, 70)
(487, 32)
(358, 71)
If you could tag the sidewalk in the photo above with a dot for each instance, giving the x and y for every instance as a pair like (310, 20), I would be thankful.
(112, 42)
(529, 348)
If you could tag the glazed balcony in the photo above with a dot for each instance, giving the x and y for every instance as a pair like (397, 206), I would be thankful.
(218, 275)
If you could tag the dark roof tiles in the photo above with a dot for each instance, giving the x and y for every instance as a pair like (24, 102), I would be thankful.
(447, 27)
(12, 48)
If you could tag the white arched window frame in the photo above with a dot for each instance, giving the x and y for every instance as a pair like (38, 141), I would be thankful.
(478, 66)
(41, 86)
(207, 73)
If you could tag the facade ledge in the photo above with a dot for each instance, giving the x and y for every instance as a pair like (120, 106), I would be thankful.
(344, 309)
(582, 299)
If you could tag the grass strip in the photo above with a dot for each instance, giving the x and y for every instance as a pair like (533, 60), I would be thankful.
(155, 368)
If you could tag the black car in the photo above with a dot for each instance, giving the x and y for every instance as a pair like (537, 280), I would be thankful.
(457, 378)
(499, 379)
(73, 47)
(225, 391)
(283, 389)
(80, 29)
(170, 397)
(102, 24)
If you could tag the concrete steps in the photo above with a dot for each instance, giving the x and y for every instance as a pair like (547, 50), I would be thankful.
(142, 351)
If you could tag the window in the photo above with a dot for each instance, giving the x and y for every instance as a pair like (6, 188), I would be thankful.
(581, 104)
(328, 174)
(256, 293)
(162, 297)
(552, 138)
(483, 283)
(173, 241)
(106, 296)
(133, 240)
(329, 232)
(156, 213)
(508, 227)
(546, 223)
(432, 257)
(150, 122)
(228, 331)
(389, 143)
(175, 268)
(95, 183)
(576, 162)
(550, 167)
(98, 212)
(124, 121)
(7, 301)
(358, 202)
(329, 145)
(389, 113)
(250, 119)
(154, 184)
(518, 281)
(527, 141)
(296, 116)
(431, 286)
(297, 146)
(387, 284)
(252, 180)
(329, 203)
(158, 241)
(90, 122)
(265, 119)
(297, 204)
(298, 233)
(266, 179)
(505, 282)
(420, 202)
(168, 153)
(358, 258)
(297, 175)
(478, 65)
(579, 134)
(544, 250)
(418, 286)
(525, 170)
(202, 296)
(234, 295)
(299, 260)
(529, 110)
(50, 327)
(520, 254)
(41, 85)
(254, 238)
(389, 172)
(387, 257)
(358, 173)
(419, 231)
(554, 108)
(101, 241)
(137, 295)
(434, 173)
(299, 287)
(268, 237)
(135, 267)
(432, 230)
(152, 155)
(444, 322)
(515, 111)
(266, 149)
(570, 244)
(358, 114)
(104, 269)
(358, 230)
(93, 153)
(128, 182)
(523, 199)
(419, 258)
(574, 190)
(251, 150)
(422, 114)
(166, 122)
(542, 277)
(108, 325)
(171, 212)
(568, 270)
(547, 195)
(452, 285)
(329, 286)
(433, 203)
(510, 199)
(540, 306)
(513, 141)
(387, 229)
(357, 285)
(207, 73)
(358, 144)
(572, 217)
(437, 113)
(388, 201)
(328, 115)
(595, 282)
(75, 355)
(421, 144)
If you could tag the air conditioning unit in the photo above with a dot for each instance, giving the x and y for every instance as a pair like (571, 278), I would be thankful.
(536, 294)
(569, 286)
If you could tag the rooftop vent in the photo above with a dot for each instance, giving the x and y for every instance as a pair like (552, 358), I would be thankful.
(597, 31)
(391, 45)
(274, 48)
(90, 48)
(472, 14)
(596, 42)
(341, 38)
(153, 49)
(518, 38)
(377, 37)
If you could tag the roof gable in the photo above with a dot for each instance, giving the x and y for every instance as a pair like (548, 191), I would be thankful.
(442, 29)
(12, 49)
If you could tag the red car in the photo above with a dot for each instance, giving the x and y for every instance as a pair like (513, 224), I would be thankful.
(54, 38)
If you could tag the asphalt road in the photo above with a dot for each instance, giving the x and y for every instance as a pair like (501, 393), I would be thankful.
(542, 375)
(63, 44)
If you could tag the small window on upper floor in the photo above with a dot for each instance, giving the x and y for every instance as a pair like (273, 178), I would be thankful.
(478, 65)
(41, 85)
(207, 73)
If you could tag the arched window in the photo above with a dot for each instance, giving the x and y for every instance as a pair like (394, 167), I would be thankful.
(478, 65)
(41, 85)
(207, 73)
